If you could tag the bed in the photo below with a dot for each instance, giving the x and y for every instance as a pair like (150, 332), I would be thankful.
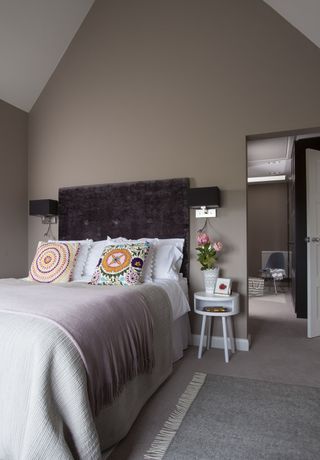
(45, 406)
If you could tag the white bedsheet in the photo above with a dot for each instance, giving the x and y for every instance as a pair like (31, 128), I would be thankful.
(177, 292)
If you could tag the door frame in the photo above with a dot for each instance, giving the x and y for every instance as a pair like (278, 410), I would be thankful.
(300, 256)
(301, 146)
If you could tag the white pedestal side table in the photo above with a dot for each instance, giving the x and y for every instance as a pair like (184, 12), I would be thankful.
(231, 302)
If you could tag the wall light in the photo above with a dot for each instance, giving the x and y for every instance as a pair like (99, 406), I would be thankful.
(205, 200)
(48, 211)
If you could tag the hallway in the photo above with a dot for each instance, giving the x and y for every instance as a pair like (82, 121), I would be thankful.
(274, 315)
(279, 338)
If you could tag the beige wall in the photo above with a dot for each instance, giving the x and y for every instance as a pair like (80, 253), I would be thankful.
(267, 222)
(154, 89)
(13, 191)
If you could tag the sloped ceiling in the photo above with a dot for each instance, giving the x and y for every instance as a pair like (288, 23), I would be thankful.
(304, 15)
(34, 35)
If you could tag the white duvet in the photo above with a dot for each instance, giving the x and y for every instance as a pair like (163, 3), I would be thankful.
(44, 367)
(50, 399)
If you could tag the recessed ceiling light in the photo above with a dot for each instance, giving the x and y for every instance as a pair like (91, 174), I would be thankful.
(279, 178)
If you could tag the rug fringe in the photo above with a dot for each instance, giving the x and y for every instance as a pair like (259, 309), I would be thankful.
(163, 439)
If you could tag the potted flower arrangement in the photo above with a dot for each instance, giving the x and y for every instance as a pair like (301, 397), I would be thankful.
(207, 256)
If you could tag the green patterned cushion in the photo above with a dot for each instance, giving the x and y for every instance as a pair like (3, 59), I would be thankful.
(121, 264)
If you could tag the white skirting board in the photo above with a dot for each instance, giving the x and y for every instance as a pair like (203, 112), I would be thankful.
(217, 342)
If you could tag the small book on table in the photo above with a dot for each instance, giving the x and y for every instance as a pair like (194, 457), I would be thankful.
(216, 309)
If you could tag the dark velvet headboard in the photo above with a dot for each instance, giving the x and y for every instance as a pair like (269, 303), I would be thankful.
(151, 209)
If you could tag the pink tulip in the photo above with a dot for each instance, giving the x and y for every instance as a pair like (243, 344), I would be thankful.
(218, 246)
(202, 238)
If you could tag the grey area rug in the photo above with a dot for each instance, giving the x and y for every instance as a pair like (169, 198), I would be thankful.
(235, 418)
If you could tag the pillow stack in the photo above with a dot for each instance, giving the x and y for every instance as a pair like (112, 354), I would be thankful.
(119, 261)
(165, 257)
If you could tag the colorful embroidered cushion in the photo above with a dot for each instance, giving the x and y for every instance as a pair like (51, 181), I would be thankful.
(121, 264)
(54, 262)
(84, 249)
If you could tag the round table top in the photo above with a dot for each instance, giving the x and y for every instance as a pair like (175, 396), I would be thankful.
(202, 295)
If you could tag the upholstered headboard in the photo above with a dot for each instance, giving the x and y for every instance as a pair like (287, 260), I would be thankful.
(151, 209)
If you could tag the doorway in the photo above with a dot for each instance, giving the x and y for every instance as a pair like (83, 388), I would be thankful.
(277, 227)
(269, 260)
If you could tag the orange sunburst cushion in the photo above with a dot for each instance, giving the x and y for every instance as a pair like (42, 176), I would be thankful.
(121, 264)
(54, 262)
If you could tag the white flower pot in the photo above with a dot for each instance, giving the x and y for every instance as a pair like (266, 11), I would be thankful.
(210, 278)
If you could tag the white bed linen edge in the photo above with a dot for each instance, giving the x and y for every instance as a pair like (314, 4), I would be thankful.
(176, 291)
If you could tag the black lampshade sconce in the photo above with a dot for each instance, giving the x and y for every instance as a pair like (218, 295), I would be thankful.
(47, 210)
(205, 200)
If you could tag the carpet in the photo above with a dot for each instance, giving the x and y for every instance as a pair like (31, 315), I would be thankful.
(270, 298)
(227, 418)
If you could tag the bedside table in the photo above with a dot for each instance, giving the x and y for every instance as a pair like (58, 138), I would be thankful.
(201, 300)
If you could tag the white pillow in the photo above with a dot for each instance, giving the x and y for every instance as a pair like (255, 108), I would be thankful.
(95, 252)
(167, 260)
(78, 269)
(177, 242)
(165, 257)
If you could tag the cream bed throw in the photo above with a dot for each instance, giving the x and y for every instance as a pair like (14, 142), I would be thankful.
(44, 405)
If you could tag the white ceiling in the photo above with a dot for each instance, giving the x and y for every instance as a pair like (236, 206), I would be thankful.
(34, 34)
(273, 156)
(302, 14)
(269, 157)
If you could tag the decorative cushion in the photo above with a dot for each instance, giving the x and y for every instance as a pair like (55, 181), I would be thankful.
(84, 248)
(94, 255)
(121, 264)
(148, 263)
(164, 260)
(54, 262)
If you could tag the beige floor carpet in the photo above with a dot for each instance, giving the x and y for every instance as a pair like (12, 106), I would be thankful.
(280, 352)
